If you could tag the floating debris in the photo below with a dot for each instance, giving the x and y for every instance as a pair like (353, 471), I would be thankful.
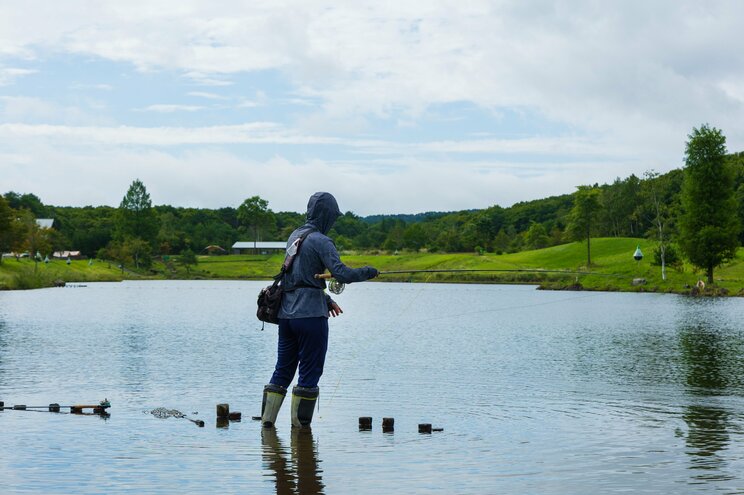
(165, 413)
(99, 409)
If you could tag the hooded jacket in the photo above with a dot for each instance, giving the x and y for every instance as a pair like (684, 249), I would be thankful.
(304, 295)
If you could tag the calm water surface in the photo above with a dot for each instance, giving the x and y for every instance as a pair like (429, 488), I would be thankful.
(537, 392)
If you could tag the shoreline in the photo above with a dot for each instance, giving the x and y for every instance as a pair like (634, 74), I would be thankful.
(562, 267)
(539, 282)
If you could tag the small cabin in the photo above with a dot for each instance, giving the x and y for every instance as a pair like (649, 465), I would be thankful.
(259, 247)
(214, 250)
(74, 255)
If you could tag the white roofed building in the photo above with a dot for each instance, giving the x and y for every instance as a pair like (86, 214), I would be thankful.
(258, 247)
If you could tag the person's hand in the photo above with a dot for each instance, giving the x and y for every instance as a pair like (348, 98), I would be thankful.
(334, 310)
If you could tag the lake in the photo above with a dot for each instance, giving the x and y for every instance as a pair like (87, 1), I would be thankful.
(536, 392)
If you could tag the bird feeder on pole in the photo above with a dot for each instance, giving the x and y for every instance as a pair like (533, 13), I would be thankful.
(638, 255)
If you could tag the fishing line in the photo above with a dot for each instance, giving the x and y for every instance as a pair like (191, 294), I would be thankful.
(387, 328)
(416, 295)
(507, 308)
(337, 287)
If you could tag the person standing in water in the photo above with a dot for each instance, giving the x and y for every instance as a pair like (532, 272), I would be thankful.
(303, 318)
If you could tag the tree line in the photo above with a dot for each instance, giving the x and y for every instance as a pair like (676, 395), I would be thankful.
(671, 208)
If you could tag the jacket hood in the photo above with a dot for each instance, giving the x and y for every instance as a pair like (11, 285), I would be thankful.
(322, 211)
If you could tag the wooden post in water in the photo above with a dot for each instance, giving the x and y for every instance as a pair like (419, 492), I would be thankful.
(424, 428)
(223, 411)
(388, 425)
(365, 423)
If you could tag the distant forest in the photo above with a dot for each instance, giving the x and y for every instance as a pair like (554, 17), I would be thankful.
(627, 207)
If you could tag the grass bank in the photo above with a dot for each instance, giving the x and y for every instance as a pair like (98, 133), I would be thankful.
(613, 268)
(25, 274)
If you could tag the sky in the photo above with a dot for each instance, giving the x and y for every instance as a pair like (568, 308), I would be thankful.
(394, 107)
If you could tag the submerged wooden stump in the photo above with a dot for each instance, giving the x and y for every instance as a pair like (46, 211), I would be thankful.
(425, 428)
(223, 410)
(365, 423)
(388, 425)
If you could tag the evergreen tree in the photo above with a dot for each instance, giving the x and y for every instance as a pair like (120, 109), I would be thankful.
(135, 217)
(709, 226)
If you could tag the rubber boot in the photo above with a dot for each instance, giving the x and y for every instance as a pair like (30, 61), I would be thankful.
(273, 397)
(303, 405)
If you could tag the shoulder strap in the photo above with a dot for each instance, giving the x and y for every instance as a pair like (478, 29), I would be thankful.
(289, 258)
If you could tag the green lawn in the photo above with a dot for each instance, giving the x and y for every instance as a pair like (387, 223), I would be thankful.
(13, 272)
(613, 268)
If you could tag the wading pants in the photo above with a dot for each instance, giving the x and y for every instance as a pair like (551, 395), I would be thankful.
(303, 342)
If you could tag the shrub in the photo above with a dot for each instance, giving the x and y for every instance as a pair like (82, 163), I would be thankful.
(672, 256)
(30, 279)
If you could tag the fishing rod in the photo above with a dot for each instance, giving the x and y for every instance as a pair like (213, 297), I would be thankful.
(338, 287)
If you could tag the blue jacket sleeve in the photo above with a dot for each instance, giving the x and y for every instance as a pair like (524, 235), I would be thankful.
(341, 272)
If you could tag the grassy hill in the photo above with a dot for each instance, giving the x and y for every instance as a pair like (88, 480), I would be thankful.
(613, 268)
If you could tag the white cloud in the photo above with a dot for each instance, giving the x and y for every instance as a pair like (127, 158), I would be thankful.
(202, 79)
(8, 75)
(592, 65)
(623, 82)
(274, 133)
(252, 133)
(98, 87)
(24, 110)
(209, 96)
(165, 108)
(179, 179)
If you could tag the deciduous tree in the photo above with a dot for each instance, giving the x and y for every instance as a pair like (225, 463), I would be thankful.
(583, 215)
(7, 238)
(537, 236)
(659, 212)
(255, 214)
(187, 259)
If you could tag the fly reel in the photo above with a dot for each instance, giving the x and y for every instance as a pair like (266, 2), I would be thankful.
(335, 286)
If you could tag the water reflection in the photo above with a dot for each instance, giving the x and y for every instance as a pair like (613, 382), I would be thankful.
(707, 357)
(3, 345)
(297, 470)
(707, 438)
(134, 342)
